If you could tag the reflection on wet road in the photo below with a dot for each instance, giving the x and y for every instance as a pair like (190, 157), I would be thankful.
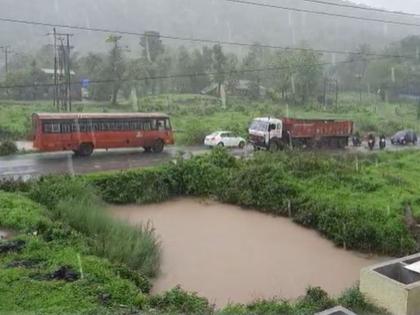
(35, 164)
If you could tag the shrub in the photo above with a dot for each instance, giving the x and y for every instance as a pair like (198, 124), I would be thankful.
(195, 132)
(177, 301)
(353, 299)
(8, 147)
(144, 186)
(74, 202)
(20, 213)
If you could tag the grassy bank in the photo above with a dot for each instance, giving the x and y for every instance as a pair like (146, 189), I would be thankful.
(26, 272)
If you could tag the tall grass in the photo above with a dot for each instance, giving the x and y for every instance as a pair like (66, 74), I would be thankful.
(76, 203)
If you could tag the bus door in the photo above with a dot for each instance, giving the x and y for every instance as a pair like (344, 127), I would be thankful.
(66, 135)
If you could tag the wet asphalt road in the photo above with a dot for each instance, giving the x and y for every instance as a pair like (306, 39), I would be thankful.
(30, 165)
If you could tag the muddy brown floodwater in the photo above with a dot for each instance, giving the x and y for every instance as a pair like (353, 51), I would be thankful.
(228, 254)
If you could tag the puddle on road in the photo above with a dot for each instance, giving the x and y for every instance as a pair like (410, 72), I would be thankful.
(228, 254)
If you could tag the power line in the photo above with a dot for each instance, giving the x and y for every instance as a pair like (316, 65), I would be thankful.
(190, 75)
(353, 17)
(352, 6)
(191, 39)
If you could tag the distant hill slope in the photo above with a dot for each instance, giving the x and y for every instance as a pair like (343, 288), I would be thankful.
(215, 19)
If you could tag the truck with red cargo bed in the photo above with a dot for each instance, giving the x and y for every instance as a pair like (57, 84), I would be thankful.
(276, 134)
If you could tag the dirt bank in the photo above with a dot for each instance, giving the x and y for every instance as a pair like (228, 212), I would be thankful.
(229, 254)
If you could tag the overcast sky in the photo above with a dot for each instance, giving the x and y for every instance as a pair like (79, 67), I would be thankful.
(412, 6)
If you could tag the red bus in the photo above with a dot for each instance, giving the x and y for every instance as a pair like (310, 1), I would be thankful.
(84, 132)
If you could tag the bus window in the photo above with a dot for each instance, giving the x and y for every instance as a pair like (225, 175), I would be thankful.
(147, 125)
(160, 125)
(51, 127)
(168, 124)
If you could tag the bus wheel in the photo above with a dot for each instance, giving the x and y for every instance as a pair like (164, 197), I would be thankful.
(158, 146)
(85, 149)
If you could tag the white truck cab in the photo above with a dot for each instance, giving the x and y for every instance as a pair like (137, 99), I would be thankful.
(266, 132)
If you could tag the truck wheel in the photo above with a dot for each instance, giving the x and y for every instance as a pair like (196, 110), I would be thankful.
(158, 146)
(274, 147)
(241, 145)
(221, 145)
(85, 149)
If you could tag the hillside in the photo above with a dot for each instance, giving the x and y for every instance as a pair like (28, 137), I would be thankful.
(214, 19)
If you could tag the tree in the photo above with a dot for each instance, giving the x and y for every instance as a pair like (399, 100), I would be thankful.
(152, 45)
(219, 67)
(116, 66)
(184, 66)
(307, 74)
(253, 61)
(33, 77)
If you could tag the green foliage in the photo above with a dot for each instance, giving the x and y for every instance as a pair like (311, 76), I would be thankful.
(19, 213)
(143, 186)
(177, 301)
(25, 283)
(353, 299)
(74, 202)
(8, 147)
(315, 300)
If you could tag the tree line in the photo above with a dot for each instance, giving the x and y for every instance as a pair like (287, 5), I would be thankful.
(295, 76)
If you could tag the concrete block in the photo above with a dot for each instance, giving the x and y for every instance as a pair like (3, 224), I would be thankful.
(393, 286)
(339, 310)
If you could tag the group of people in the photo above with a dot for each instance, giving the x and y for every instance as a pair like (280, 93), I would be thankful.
(371, 140)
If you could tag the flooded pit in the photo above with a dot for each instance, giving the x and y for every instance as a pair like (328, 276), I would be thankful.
(228, 254)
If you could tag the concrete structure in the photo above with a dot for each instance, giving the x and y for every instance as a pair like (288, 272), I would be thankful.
(339, 310)
(394, 285)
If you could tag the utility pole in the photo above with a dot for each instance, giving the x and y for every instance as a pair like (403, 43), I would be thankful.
(68, 72)
(55, 102)
(7, 51)
(62, 71)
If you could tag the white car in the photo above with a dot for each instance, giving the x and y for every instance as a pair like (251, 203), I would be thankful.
(224, 139)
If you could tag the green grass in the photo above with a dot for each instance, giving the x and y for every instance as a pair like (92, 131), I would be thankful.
(26, 289)
(75, 203)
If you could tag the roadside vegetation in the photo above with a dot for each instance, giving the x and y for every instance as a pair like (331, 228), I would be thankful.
(195, 116)
(8, 147)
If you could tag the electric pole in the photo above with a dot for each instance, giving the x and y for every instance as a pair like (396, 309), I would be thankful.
(6, 51)
(62, 71)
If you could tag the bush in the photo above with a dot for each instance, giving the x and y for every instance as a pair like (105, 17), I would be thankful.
(195, 132)
(25, 283)
(22, 214)
(177, 301)
(74, 202)
(8, 147)
(144, 186)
